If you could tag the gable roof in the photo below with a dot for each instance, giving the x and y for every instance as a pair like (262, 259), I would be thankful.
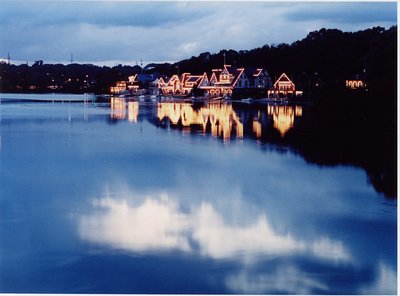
(258, 72)
(173, 79)
(194, 78)
(283, 78)
(237, 74)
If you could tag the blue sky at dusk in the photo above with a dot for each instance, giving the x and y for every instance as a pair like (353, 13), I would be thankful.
(109, 32)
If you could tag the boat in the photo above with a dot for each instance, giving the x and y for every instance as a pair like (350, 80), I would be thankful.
(247, 100)
(227, 98)
(272, 100)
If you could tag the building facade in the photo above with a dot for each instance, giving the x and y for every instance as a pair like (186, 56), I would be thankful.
(284, 88)
(355, 83)
(221, 82)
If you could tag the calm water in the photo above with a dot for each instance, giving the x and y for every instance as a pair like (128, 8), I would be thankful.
(144, 197)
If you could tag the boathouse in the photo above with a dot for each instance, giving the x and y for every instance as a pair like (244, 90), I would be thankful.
(221, 82)
(284, 88)
(355, 83)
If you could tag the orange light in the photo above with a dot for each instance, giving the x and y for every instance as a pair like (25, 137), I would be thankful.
(283, 117)
(222, 118)
(118, 108)
(133, 111)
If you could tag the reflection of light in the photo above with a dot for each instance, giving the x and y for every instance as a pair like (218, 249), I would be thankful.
(257, 128)
(159, 224)
(283, 117)
(118, 108)
(221, 117)
(298, 111)
(133, 111)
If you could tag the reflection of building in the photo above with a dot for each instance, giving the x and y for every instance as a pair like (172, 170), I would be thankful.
(222, 118)
(133, 111)
(283, 117)
(220, 82)
(257, 128)
(118, 109)
(283, 88)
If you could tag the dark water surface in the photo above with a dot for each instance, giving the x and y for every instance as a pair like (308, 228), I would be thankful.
(146, 197)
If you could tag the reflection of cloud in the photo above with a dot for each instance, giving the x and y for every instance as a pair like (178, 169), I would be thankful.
(151, 223)
(155, 224)
(159, 224)
(286, 279)
(219, 240)
(385, 284)
(329, 249)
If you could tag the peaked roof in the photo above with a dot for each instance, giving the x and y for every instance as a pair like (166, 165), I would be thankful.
(194, 78)
(283, 78)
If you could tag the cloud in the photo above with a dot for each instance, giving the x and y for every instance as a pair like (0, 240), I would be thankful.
(166, 30)
(98, 13)
(337, 13)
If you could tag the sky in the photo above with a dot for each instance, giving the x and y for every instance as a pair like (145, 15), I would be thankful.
(128, 32)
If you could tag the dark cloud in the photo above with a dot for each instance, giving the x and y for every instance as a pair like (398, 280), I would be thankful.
(52, 13)
(357, 12)
(168, 30)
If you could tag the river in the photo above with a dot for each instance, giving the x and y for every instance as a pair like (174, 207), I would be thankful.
(165, 197)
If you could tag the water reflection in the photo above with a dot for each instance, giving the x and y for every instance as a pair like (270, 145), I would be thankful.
(155, 224)
(267, 258)
(245, 220)
(289, 126)
(133, 111)
(283, 117)
(280, 125)
(221, 117)
(287, 279)
(145, 223)
(224, 120)
(118, 108)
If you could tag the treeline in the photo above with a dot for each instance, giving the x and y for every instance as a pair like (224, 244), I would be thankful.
(317, 63)
(72, 78)
(324, 57)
